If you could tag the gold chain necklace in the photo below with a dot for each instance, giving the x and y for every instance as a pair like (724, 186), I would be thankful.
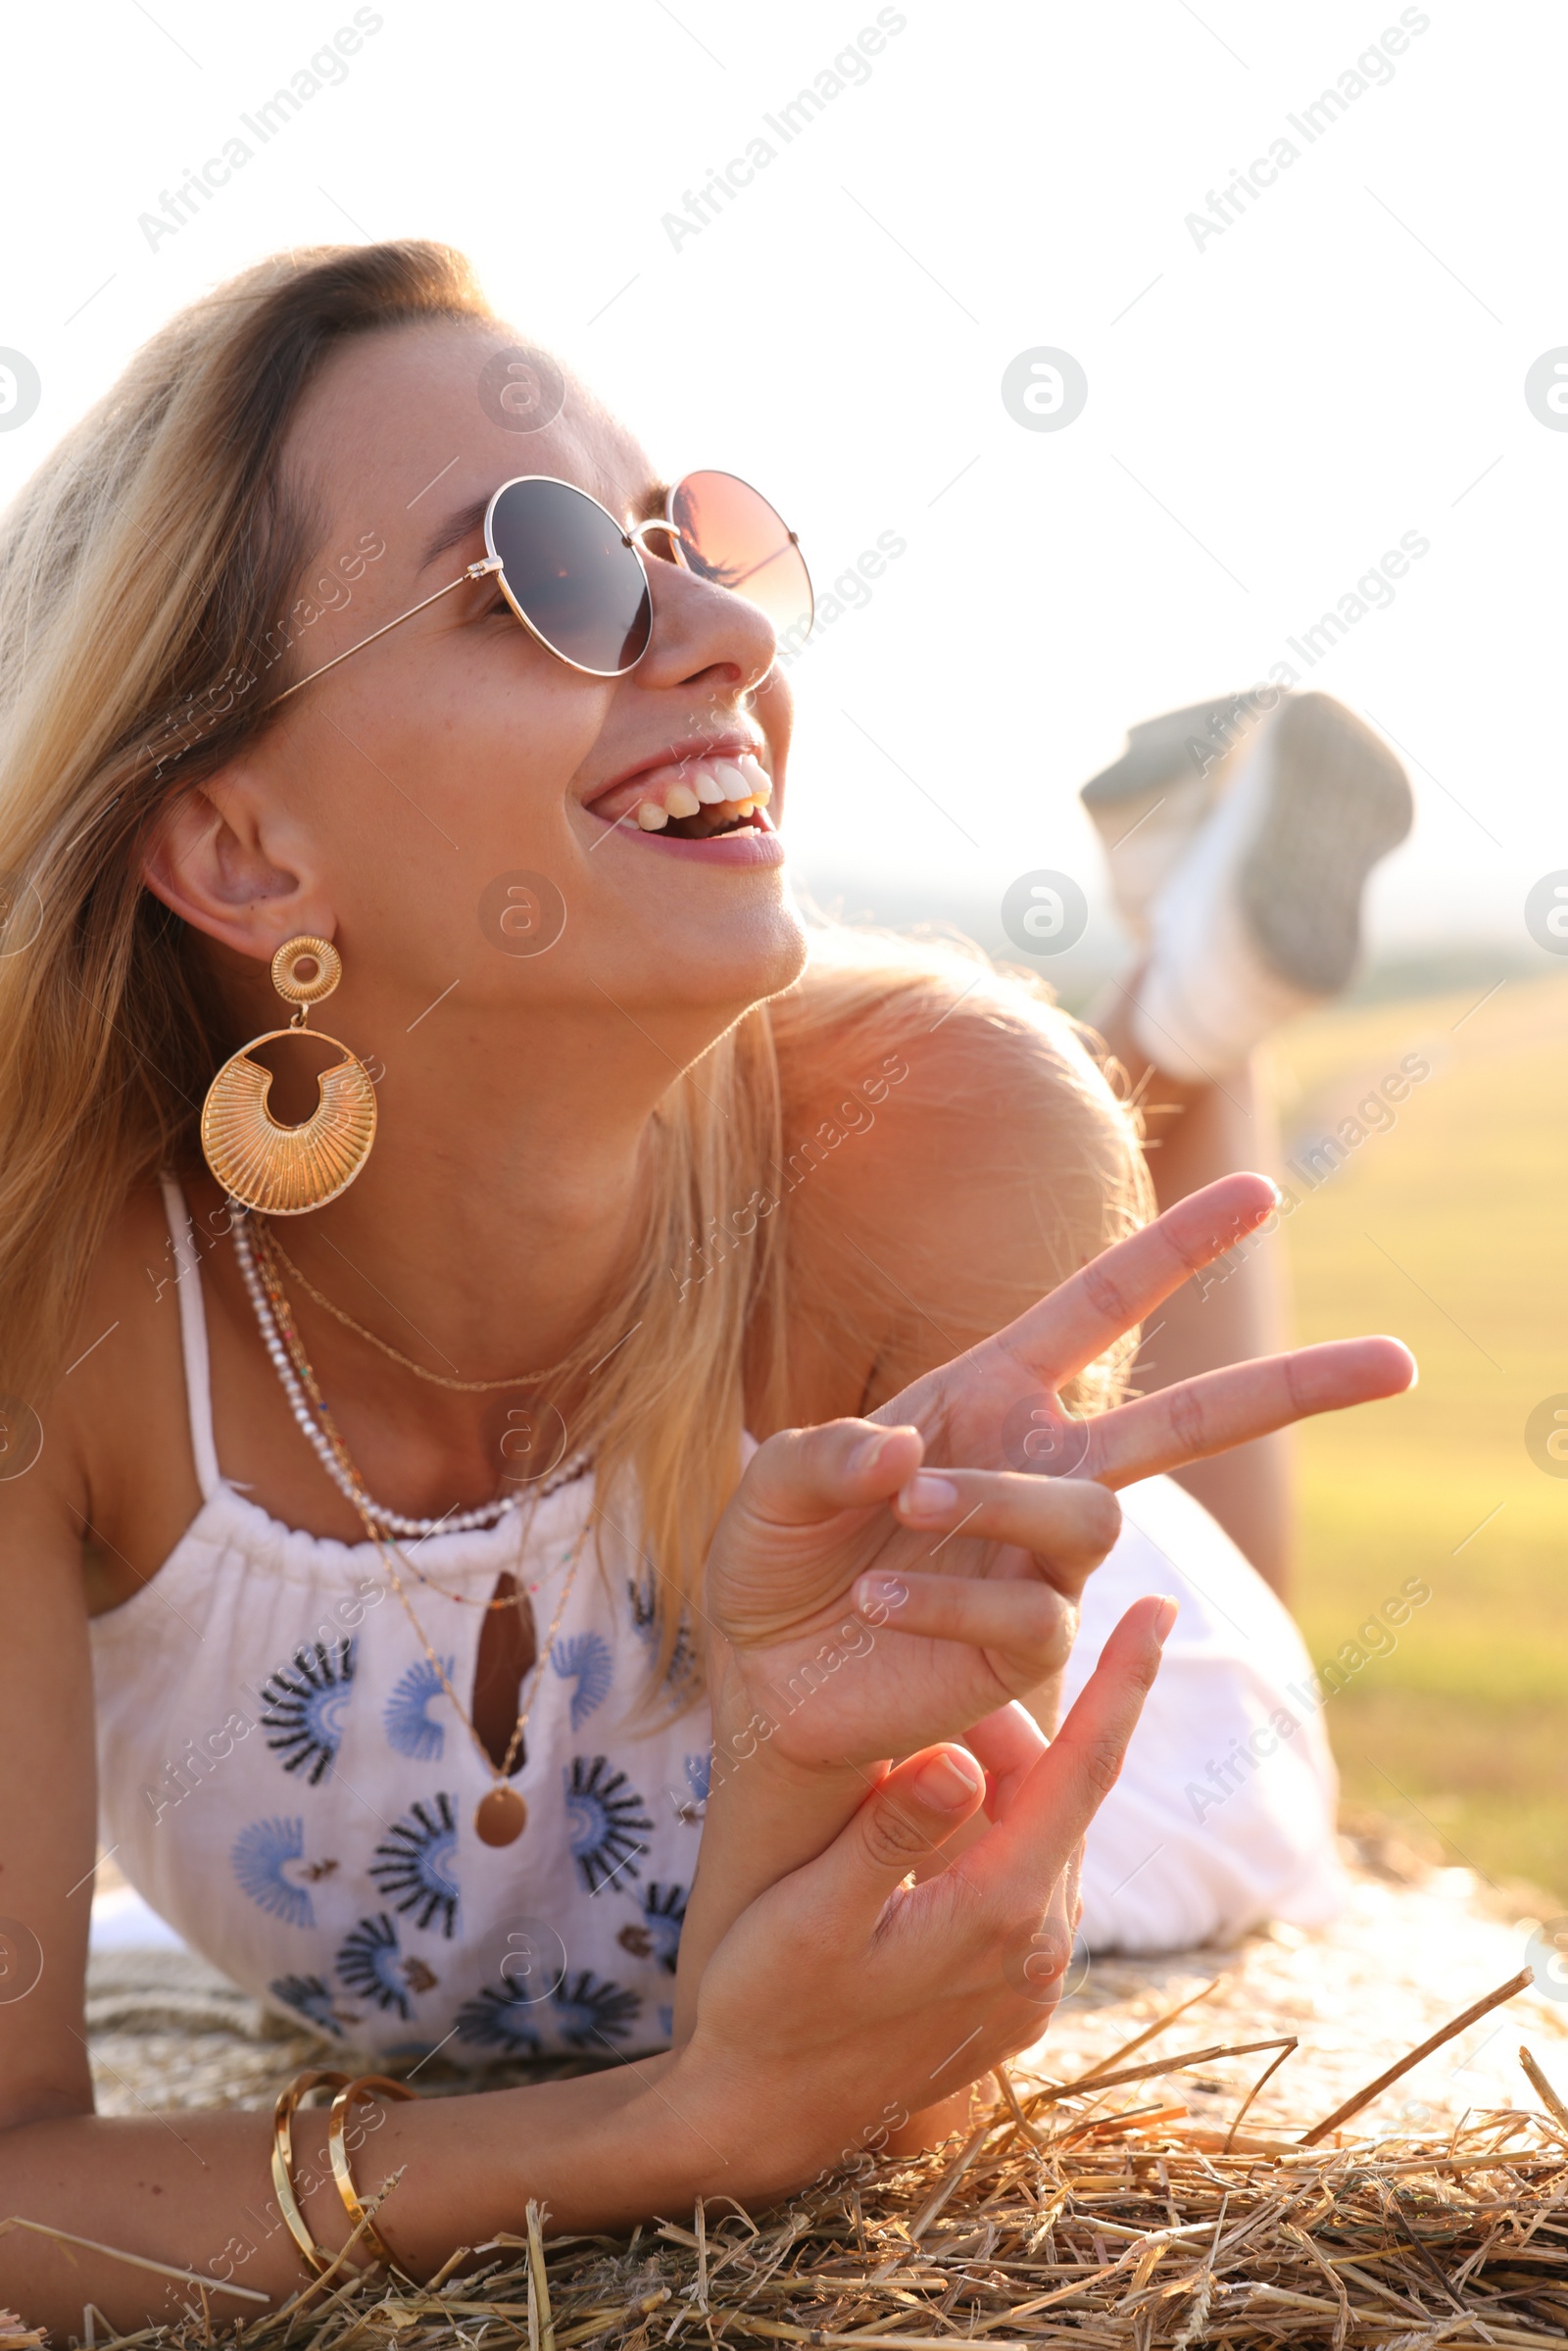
(528, 1379)
(500, 1816)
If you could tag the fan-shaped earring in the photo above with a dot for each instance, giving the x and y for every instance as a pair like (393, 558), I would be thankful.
(286, 1171)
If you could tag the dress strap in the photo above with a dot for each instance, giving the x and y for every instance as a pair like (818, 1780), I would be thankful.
(193, 1337)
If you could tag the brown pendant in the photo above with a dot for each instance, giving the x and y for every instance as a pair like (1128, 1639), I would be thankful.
(501, 1817)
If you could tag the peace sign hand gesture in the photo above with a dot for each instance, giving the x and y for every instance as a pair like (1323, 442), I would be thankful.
(877, 1585)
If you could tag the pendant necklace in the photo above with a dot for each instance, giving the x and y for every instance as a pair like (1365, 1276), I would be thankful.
(500, 1817)
(502, 1814)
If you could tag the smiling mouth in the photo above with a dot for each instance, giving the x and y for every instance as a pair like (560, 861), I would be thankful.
(693, 799)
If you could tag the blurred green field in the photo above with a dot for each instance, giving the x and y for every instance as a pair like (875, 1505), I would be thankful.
(1449, 1231)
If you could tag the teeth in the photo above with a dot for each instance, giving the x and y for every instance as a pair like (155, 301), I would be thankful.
(729, 789)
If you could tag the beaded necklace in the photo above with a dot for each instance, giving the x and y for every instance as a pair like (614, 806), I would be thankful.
(321, 1432)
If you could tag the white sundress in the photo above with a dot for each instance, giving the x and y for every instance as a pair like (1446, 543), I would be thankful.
(284, 1781)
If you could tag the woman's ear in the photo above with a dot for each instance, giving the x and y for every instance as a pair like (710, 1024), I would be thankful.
(227, 859)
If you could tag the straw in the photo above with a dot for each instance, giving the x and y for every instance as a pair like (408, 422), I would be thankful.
(1444, 2033)
(1136, 2229)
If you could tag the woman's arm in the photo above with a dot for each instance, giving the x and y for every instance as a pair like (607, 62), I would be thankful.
(193, 2190)
(827, 2013)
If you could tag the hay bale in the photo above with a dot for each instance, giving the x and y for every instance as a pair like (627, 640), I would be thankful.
(1129, 2215)
(1091, 2231)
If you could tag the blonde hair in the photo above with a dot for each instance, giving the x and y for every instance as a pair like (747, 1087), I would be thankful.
(146, 575)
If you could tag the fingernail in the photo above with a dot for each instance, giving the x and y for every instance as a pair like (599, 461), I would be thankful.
(875, 1595)
(1164, 1620)
(868, 1453)
(948, 1782)
(928, 1496)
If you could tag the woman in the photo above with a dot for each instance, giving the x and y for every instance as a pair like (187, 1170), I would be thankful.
(394, 1513)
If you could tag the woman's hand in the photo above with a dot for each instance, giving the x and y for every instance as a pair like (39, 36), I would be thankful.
(875, 1586)
(846, 1998)
(855, 1610)
(846, 1627)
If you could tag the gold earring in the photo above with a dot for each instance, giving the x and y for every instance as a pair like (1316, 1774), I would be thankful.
(284, 1171)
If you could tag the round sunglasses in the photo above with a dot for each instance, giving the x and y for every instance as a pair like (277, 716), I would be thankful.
(577, 580)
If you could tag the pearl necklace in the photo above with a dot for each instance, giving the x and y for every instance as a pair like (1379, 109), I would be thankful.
(393, 1522)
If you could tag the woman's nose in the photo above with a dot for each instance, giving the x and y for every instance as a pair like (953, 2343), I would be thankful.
(699, 627)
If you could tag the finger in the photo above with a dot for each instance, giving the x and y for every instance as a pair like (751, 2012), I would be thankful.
(1223, 1408)
(802, 1476)
(1051, 1517)
(1081, 1318)
(910, 1816)
(1032, 1844)
(1008, 1744)
(1020, 1623)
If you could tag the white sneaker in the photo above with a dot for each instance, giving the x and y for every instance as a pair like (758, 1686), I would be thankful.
(1260, 918)
(1148, 807)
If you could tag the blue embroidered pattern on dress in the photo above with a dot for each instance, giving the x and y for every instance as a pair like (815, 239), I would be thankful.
(370, 1964)
(585, 1659)
(681, 1671)
(497, 2020)
(309, 1997)
(589, 2013)
(413, 1864)
(664, 1916)
(656, 1934)
(306, 1699)
(690, 1804)
(257, 1859)
(603, 1819)
(405, 1716)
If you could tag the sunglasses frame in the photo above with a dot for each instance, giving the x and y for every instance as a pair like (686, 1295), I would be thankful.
(491, 565)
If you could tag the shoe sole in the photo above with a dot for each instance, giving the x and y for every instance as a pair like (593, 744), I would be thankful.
(1339, 800)
(1159, 749)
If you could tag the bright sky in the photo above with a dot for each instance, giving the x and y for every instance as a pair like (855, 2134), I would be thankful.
(1271, 403)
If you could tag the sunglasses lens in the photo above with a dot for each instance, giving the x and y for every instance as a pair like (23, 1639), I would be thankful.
(566, 564)
(730, 534)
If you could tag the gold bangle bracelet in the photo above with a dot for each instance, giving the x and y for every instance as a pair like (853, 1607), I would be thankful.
(367, 2085)
(315, 2257)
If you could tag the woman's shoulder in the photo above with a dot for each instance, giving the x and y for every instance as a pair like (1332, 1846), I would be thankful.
(947, 1131)
(133, 1271)
(113, 1416)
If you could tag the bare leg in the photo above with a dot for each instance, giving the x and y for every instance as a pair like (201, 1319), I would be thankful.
(1197, 1133)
